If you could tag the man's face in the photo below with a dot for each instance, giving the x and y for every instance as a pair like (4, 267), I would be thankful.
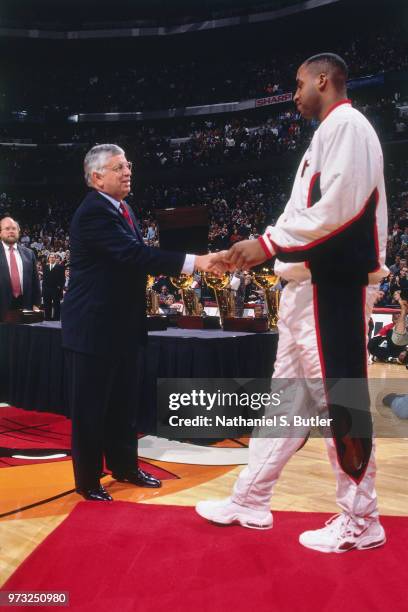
(307, 96)
(115, 178)
(51, 259)
(9, 231)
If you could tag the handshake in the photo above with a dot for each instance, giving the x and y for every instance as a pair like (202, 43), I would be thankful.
(243, 255)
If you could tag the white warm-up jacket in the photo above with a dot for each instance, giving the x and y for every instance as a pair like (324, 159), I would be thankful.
(334, 227)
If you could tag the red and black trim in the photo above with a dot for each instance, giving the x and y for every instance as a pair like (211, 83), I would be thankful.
(314, 193)
(347, 254)
(343, 357)
(265, 247)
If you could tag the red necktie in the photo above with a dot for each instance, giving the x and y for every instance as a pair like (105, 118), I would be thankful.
(14, 275)
(124, 211)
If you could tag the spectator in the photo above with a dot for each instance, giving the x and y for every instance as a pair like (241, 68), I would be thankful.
(398, 404)
(382, 346)
(52, 288)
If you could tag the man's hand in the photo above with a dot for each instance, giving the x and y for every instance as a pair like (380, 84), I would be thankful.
(212, 262)
(245, 255)
(36, 309)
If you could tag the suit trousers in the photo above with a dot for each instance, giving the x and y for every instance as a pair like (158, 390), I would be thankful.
(52, 304)
(103, 395)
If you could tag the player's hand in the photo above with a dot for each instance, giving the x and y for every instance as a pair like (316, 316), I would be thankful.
(245, 255)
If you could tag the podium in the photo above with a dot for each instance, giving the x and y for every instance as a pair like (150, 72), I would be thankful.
(183, 229)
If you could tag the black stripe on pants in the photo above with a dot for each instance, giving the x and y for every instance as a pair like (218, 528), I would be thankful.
(340, 324)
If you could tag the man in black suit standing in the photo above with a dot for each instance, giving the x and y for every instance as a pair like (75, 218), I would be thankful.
(104, 323)
(19, 284)
(52, 287)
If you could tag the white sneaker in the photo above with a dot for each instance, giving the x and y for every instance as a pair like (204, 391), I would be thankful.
(227, 512)
(341, 534)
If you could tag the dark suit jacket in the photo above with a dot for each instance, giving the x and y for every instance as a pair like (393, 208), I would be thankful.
(53, 280)
(104, 308)
(31, 284)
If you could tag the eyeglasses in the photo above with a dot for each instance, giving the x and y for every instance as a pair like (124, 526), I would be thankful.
(121, 167)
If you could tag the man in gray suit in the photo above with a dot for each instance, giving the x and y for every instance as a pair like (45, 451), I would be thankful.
(19, 284)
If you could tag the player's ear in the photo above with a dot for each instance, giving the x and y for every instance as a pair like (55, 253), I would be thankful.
(322, 81)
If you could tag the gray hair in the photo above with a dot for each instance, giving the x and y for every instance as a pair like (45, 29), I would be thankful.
(96, 159)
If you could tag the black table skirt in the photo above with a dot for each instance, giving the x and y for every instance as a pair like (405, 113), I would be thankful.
(32, 368)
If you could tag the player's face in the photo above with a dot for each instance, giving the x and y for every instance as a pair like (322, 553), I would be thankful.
(9, 232)
(115, 179)
(307, 95)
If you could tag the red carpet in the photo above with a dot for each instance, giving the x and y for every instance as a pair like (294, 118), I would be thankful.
(41, 434)
(135, 557)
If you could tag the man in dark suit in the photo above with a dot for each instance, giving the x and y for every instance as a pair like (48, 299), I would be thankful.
(19, 284)
(104, 323)
(52, 287)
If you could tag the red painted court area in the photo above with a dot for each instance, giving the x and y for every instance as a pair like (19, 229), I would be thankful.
(152, 558)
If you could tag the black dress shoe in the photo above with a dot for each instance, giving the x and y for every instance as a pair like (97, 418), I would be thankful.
(137, 477)
(95, 494)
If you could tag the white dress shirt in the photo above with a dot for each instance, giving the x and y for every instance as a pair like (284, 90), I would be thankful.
(18, 260)
(188, 266)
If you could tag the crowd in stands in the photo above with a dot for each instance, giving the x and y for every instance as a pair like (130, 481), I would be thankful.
(198, 143)
(204, 143)
(132, 85)
(216, 141)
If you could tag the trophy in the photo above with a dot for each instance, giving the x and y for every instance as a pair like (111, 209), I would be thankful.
(266, 279)
(228, 308)
(152, 299)
(191, 318)
(223, 296)
(155, 321)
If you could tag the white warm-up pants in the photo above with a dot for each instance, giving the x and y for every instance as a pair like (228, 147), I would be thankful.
(298, 357)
